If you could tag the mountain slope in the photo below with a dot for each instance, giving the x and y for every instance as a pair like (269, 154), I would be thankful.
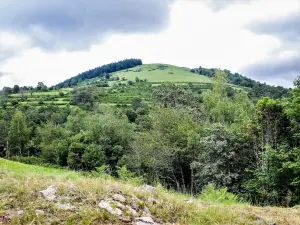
(72, 198)
(163, 73)
(154, 73)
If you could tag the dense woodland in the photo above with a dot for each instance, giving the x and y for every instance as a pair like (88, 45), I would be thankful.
(257, 90)
(181, 139)
(101, 71)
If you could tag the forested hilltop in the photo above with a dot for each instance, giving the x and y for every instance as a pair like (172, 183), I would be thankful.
(101, 71)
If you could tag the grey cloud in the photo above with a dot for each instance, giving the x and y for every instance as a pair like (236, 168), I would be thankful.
(275, 70)
(286, 28)
(77, 24)
(218, 5)
(2, 74)
(6, 54)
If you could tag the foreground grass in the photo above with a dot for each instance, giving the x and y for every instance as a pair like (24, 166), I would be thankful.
(20, 185)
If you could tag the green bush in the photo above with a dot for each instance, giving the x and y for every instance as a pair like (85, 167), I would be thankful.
(211, 194)
(28, 160)
(128, 176)
(103, 171)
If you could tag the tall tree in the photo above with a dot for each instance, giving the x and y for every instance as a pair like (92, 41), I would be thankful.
(18, 135)
(16, 89)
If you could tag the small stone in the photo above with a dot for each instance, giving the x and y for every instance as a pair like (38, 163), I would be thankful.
(125, 219)
(189, 201)
(66, 206)
(120, 198)
(145, 221)
(131, 211)
(107, 206)
(5, 219)
(20, 213)
(119, 205)
(149, 188)
(49, 193)
(147, 211)
(39, 212)
(134, 205)
(153, 201)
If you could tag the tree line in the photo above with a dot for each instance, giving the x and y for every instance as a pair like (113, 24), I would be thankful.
(181, 139)
(257, 90)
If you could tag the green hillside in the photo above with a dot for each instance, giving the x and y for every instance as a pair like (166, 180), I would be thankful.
(162, 73)
(115, 91)
(156, 73)
(74, 198)
(121, 86)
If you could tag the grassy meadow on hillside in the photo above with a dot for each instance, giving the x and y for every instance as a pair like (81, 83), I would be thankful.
(158, 73)
(21, 202)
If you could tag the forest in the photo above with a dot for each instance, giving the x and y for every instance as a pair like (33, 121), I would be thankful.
(181, 139)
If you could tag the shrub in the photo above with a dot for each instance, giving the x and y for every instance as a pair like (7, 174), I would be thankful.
(130, 82)
(128, 176)
(103, 171)
(210, 194)
(14, 102)
(28, 160)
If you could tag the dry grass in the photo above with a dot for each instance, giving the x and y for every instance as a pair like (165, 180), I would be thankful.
(20, 185)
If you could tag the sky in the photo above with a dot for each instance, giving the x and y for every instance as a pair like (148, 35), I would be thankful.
(50, 41)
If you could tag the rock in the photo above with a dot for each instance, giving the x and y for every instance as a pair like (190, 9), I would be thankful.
(5, 219)
(145, 221)
(66, 206)
(146, 211)
(49, 193)
(189, 201)
(150, 189)
(20, 213)
(153, 201)
(261, 220)
(120, 198)
(134, 204)
(39, 212)
(125, 219)
(131, 211)
(107, 206)
(119, 205)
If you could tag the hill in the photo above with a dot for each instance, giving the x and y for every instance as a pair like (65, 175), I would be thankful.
(156, 73)
(72, 198)
(121, 82)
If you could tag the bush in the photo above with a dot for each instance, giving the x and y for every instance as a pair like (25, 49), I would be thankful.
(103, 171)
(93, 157)
(14, 102)
(210, 194)
(28, 160)
(128, 176)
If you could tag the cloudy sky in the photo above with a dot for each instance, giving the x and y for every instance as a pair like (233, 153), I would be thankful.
(50, 41)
